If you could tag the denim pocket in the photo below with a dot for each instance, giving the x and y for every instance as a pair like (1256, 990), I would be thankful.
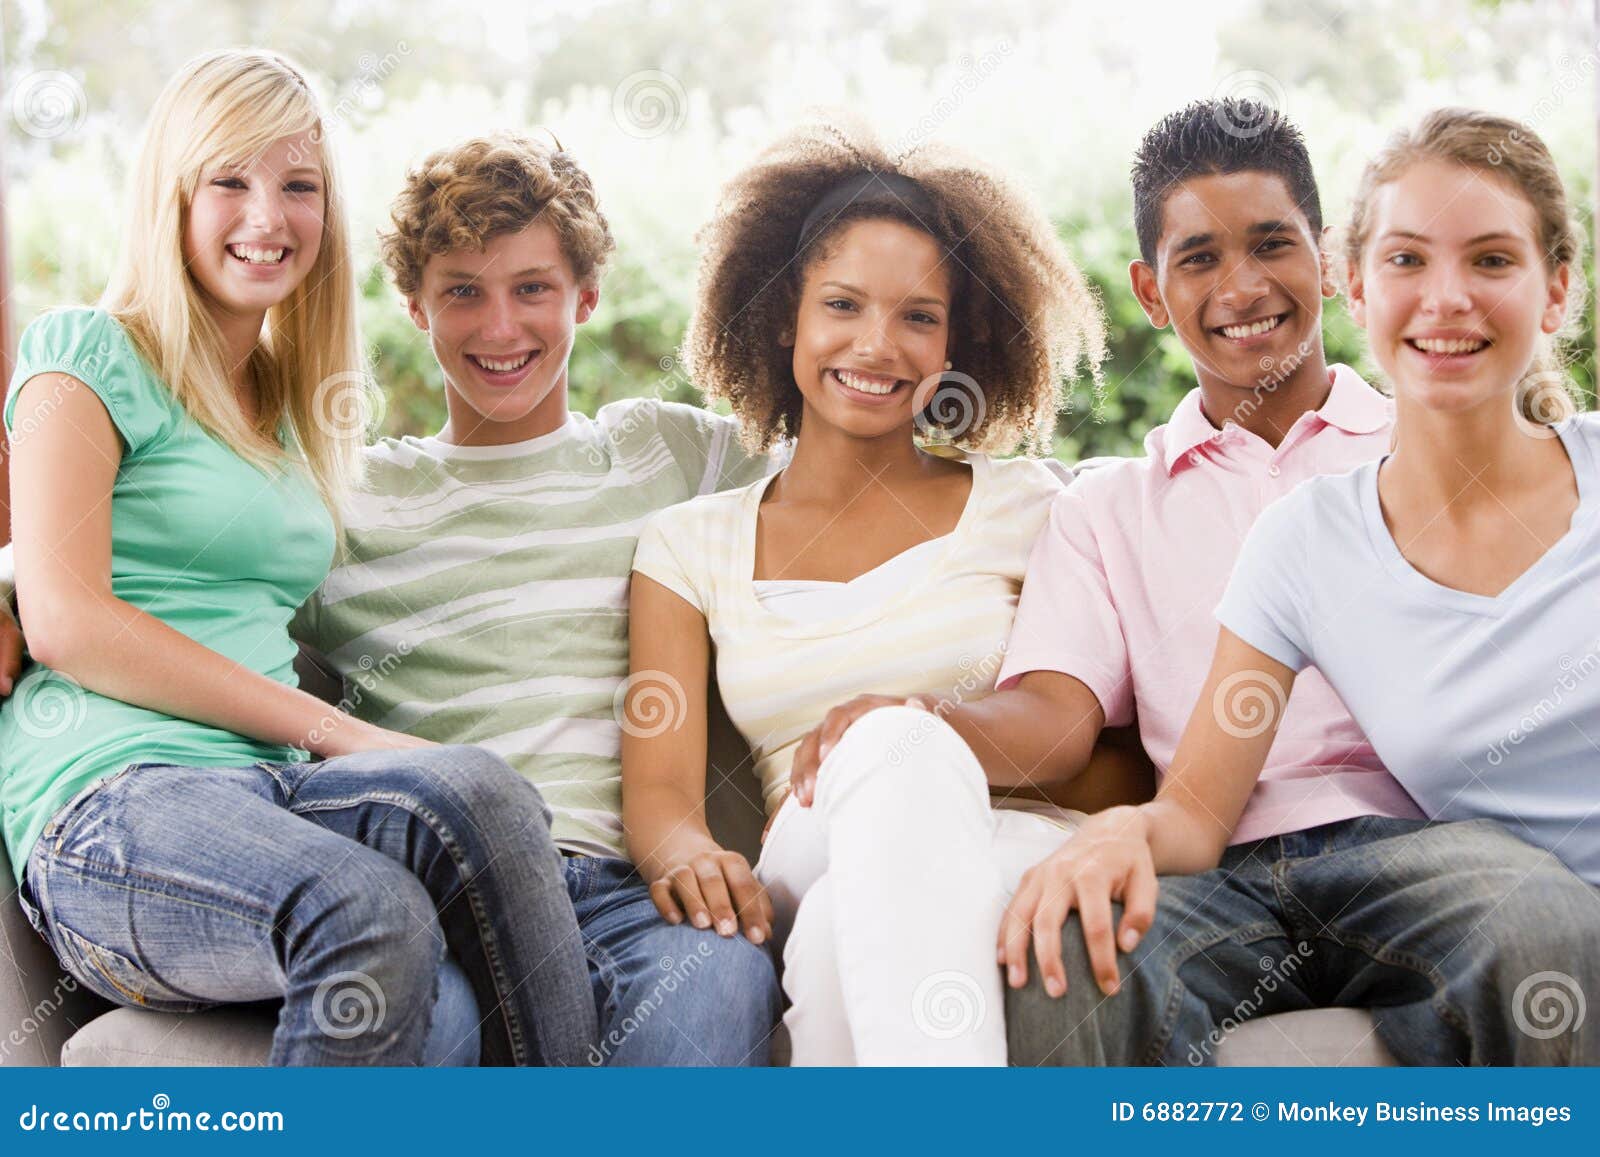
(287, 776)
(115, 977)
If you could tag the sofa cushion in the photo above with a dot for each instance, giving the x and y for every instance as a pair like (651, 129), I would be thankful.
(127, 1037)
(133, 1037)
(1324, 1037)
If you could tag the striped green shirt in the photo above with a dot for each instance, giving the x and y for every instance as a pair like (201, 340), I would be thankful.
(484, 595)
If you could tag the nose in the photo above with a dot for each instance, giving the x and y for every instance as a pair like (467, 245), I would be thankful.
(871, 342)
(1444, 291)
(263, 212)
(1243, 284)
(499, 320)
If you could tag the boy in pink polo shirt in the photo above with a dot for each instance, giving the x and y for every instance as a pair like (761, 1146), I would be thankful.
(1335, 891)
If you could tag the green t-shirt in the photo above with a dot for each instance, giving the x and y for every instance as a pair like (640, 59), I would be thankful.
(200, 539)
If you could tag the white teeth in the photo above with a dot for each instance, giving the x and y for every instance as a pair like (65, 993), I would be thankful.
(255, 255)
(1251, 330)
(502, 366)
(1441, 345)
(864, 385)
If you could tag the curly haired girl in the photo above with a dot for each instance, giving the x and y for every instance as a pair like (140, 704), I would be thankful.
(852, 301)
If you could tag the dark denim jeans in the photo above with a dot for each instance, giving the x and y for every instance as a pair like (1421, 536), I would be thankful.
(1468, 945)
(337, 886)
(668, 994)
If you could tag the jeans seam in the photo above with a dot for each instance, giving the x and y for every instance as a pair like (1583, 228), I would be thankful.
(1372, 949)
(1187, 951)
(486, 937)
(1406, 960)
(100, 875)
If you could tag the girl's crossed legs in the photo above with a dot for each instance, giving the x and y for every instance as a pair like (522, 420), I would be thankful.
(888, 894)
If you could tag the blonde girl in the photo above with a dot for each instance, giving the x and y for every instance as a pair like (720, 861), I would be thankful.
(179, 454)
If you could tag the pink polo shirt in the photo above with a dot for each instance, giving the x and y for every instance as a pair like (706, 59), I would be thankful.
(1124, 580)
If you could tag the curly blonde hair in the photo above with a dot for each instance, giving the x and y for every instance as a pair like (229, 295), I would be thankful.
(1023, 319)
(466, 195)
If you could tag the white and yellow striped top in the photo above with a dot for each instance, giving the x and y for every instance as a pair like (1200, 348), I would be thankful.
(943, 635)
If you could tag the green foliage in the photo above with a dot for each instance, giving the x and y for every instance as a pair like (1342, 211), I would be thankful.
(1056, 92)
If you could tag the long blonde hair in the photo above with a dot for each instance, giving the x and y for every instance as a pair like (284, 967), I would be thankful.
(225, 108)
(1515, 154)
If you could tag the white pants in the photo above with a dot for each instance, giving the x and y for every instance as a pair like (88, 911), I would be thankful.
(888, 894)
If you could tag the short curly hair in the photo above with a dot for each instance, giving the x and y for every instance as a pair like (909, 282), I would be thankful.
(464, 196)
(1026, 320)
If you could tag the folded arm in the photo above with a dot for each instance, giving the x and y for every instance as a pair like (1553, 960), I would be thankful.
(62, 477)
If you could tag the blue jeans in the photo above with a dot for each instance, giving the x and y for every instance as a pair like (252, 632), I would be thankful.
(336, 886)
(668, 994)
(1468, 945)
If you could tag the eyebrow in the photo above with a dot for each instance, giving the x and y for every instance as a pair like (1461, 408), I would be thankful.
(926, 300)
(1259, 229)
(534, 271)
(1481, 238)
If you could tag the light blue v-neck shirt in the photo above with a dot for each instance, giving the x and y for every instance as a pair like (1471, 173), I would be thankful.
(1480, 706)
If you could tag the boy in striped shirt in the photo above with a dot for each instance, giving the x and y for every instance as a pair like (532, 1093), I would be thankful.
(482, 597)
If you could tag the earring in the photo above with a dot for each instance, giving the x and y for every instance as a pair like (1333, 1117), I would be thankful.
(946, 365)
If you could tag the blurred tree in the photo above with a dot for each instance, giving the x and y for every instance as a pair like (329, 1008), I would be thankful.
(1054, 91)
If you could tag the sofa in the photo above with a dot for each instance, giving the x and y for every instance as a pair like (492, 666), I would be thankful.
(46, 1018)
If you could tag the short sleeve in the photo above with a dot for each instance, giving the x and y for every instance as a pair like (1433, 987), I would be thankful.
(91, 346)
(1066, 619)
(707, 449)
(1263, 604)
(659, 557)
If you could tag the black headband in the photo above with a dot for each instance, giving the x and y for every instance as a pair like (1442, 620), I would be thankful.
(889, 190)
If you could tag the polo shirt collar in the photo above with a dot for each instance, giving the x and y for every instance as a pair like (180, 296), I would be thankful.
(1351, 406)
(1354, 406)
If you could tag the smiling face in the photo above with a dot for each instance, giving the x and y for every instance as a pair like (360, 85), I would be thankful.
(873, 323)
(502, 321)
(1453, 288)
(254, 229)
(1240, 277)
